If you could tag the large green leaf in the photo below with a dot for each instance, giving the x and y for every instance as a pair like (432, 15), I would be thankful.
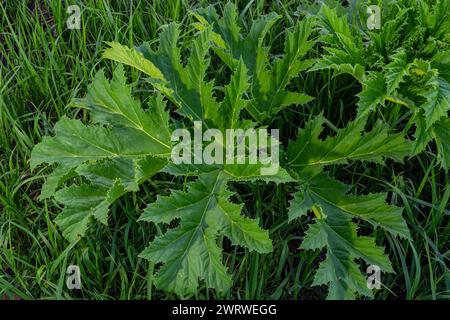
(339, 270)
(190, 251)
(309, 152)
(132, 57)
(269, 80)
(334, 230)
(112, 103)
(184, 85)
(75, 143)
(335, 209)
(405, 63)
(114, 159)
(332, 197)
(109, 180)
(344, 50)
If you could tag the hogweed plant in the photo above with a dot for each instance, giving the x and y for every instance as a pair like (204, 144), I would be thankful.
(126, 142)
(405, 64)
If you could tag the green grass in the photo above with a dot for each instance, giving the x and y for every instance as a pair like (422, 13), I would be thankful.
(44, 65)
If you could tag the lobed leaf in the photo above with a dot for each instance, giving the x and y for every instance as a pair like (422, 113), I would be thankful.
(190, 251)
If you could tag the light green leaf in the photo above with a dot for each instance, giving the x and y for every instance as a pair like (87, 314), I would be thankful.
(339, 270)
(190, 251)
(186, 86)
(332, 197)
(133, 58)
(334, 208)
(112, 103)
(82, 204)
(75, 143)
(309, 152)
(268, 79)
(110, 179)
